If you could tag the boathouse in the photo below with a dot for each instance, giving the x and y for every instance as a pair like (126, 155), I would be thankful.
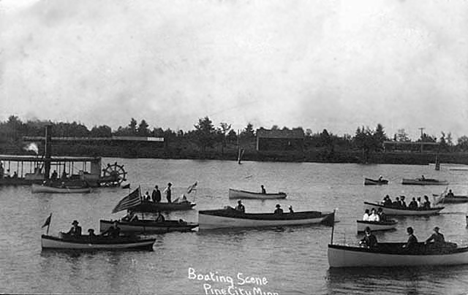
(280, 140)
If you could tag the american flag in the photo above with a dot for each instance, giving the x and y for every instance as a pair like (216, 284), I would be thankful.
(132, 200)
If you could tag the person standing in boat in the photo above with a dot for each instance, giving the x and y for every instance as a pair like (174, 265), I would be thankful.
(413, 204)
(412, 240)
(160, 217)
(75, 231)
(168, 192)
(156, 195)
(113, 231)
(240, 207)
(263, 189)
(278, 209)
(369, 240)
(437, 237)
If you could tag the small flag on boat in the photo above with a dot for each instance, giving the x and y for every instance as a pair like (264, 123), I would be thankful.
(132, 200)
(192, 187)
(47, 222)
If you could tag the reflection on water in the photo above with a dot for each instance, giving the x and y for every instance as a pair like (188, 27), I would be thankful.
(292, 259)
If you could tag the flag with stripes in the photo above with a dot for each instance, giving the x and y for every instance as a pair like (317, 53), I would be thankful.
(192, 187)
(132, 200)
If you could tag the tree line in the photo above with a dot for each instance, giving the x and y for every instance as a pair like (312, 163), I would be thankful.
(206, 135)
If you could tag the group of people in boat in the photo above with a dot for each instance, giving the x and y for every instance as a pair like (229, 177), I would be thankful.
(156, 195)
(76, 231)
(400, 203)
(436, 240)
(374, 215)
(241, 208)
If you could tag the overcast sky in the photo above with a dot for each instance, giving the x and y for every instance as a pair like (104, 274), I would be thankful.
(315, 64)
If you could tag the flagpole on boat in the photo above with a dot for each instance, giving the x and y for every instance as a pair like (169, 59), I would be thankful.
(333, 227)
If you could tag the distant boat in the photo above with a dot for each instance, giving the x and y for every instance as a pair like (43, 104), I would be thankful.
(240, 194)
(403, 211)
(424, 181)
(445, 198)
(370, 181)
(230, 218)
(393, 254)
(376, 225)
(37, 188)
(146, 206)
(86, 242)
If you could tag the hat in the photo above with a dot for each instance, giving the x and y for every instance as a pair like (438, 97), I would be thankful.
(278, 205)
(75, 222)
(169, 184)
(239, 201)
(436, 228)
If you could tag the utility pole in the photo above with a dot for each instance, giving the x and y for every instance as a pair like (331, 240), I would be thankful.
(421, 128)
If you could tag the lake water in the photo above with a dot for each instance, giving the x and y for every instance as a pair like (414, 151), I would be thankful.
(289, 260)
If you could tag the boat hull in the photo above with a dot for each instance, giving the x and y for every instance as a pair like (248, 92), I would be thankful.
(149, 226)
(229, 218)
(403, 212)
(157, 207)
(369, 181)
(351, 256)
(455, 199)
(376, 226)
(418, 181)
(96, 243)
(36, 188)
(239, 194)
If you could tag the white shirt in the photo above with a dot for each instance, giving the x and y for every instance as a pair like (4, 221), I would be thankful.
(365, 217)
(374, 217)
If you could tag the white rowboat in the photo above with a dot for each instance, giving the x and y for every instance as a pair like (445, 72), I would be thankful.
(376, 225)
(240, 194)
(37, 188)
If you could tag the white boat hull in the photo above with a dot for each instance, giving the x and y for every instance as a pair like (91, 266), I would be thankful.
(36, 188)
(239, 194)
(375, 226)
(403, 212)
(346, 257)
(48, 242)
(207, 221)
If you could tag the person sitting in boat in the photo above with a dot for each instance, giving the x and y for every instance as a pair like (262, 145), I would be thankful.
(366, 215)
(91, 233)
(380, 178)
(427, 203)
(387, 201)
(113, 231)
(54, 175)
(449, 194)
(369, 240)
(147, 197)
(75, 231)
(278, 209)
(291, 209)
(412, 242)
(402, 202)
(168, 192)
(374, 216)
(160, 217)
(381, 214)
(240, 207)
(419, 203)
(156, 195)
(396, 203)
(422, 177)
(437, 238)
(413, 204)
(263, 189)
(15, 175)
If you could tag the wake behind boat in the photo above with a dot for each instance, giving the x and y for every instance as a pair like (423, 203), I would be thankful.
(37, 188)
(240, 194)
(149, 226)
(376, 225)
(86, 242)
(393, 254)
(231, 218)
(403, 211)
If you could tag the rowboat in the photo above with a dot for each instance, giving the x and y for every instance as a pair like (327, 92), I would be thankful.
(403, 211)
(37, 188)
(451, 199)
(146, 206)
(149, 226)
(240, 194)
(393, 254)
(86, 242)
(424, 181)
(370, 181)
(230, 218)
(376, 225)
